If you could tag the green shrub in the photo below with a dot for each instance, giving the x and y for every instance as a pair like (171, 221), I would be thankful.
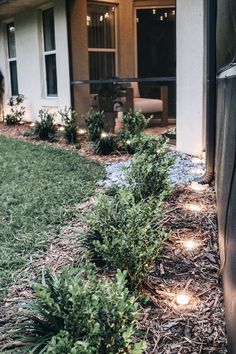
(95, 124)
(69, 118)
(137, 142)
(78, 313)
(148, 173)
(126, 235)
(45, 128)
(17, 111)
(135, 122)
(106, 144)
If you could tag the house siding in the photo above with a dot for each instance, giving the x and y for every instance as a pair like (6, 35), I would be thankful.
(30, 61)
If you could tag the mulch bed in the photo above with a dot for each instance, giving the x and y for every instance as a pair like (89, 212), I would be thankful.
(86, 150)
(168, 328)
(198, 327)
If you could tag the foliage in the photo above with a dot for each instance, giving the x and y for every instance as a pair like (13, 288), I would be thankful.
(69, 118)
(78, 313)
(136, 143)
(17, 111)
(45, 128)
(126, 235)
(95, 124)
(106, 144)
(148, 173)
(109, 94)
(40, 188)
(135, 122)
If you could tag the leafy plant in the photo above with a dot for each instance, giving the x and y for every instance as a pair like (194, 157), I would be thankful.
(69, 118)
(126, 235)
(148, 173)
(78, 313)
(109, 94)
(135, 122)
(45, 128)
(95, 124)
(106, 144)
(17, 111)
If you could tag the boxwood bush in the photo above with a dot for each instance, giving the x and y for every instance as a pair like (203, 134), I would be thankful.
(126, 235)
(148, 173)
(78, 313)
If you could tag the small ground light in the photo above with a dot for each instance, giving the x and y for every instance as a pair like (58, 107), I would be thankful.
(104, 135)
(128, 142)
(190, 245)
(193, 207)
(81, 131)
(32, 125)
(198, 187)
(61, 129)
(182, 299)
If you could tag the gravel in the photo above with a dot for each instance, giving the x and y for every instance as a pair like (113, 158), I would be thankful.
(186, 169)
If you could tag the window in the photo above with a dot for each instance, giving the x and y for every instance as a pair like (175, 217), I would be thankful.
(50, 52)
(11, 41)
(101, 42)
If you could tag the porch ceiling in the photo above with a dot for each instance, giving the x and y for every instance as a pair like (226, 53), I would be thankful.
(9, 8)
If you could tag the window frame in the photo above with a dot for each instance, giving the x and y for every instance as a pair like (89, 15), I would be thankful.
(11, 59)
(46, 53)
(107, 50)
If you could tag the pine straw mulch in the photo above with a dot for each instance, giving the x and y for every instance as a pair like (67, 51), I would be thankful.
(198, 327)
(86, 150)
(168, 328)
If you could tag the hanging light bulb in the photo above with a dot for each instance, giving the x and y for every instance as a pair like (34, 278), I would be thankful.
(137, 20)
(161, 18)
(101, 18)
(154, 11)
(165, 14)
(173, 12)
(106, 15)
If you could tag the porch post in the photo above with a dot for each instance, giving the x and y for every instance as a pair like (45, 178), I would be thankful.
(190, 76)
(79, 55)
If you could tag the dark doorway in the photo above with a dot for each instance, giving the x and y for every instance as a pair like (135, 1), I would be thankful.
(156, 50)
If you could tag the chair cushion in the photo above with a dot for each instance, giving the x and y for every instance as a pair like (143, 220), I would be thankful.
(135, 87)
(148, 105)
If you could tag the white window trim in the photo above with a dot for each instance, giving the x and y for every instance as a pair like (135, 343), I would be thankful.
(46, 53)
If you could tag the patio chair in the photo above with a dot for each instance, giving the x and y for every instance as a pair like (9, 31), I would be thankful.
(149, 106)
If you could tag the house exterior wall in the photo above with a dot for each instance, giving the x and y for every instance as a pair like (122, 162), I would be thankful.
(190, 76)
(30, 60)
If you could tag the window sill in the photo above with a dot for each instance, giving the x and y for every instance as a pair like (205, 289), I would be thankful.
(50, 102)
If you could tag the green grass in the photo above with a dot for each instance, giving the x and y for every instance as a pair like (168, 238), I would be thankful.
(39, 188)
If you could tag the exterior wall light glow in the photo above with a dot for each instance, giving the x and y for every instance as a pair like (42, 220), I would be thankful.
(182, 299)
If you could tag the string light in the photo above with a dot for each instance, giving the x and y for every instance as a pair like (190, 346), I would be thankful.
(101, 18)
(166, 14)
(106, 15)
(173, 12)
(161, 18)
(154, 11)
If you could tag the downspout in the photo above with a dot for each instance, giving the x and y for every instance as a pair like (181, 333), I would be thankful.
(211, 7)
(68, 21)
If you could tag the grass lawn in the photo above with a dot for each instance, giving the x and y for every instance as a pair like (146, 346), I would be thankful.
(39, 188)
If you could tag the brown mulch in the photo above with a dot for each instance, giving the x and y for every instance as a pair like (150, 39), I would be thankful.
(86, 150)
(198, 327)
(168, 328)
